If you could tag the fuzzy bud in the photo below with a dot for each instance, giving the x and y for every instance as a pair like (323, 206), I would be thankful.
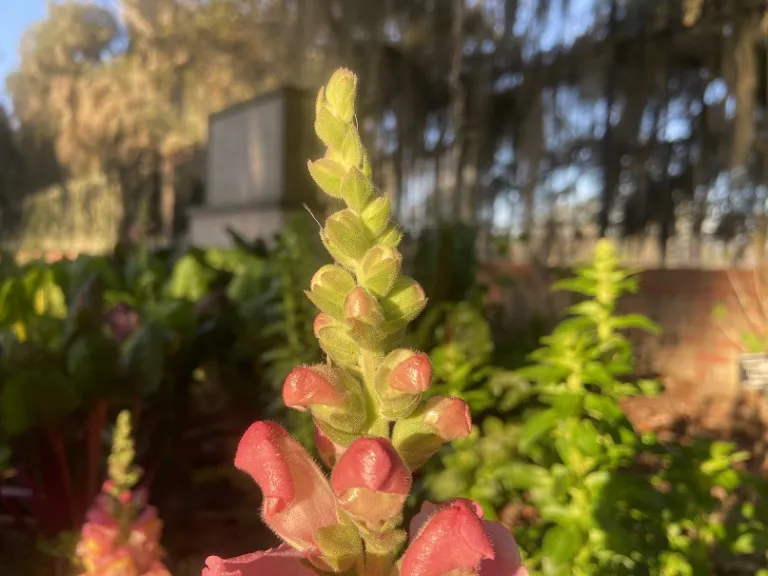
(376, 215)
(453, 541)
(335, 340)
(328, 175)
(330, 129)
(406, 300)
(400, 381)
(371, 483)
(442, 419)
(340, 94)
(328, 289)
(392, 236)
(380, 270)
(345, 238)
(352, 148)
(363, 307)
(356, 190)
(330, 394)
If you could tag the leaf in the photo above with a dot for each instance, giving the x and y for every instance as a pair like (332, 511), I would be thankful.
(190, 279)
(535, 427)
(560, 545)
(522, 476)
(637, 321)
(36, 396)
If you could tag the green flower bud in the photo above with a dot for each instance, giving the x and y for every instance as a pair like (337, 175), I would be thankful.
(356, 190)
(376, 215)
(330, 129)
(400, 382)
(345, 238)
(328, 175)
(329, 288)
(405, 301)
(352, 148)
(391, 236)
(335, 341)
(379, 270)
(341, 93)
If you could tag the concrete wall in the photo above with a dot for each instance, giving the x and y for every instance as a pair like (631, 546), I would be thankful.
(696, 353)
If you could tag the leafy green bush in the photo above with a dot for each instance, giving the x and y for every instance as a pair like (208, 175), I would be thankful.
(605, 500)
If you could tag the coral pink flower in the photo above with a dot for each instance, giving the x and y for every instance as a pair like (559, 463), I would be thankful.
(297, 497)
(506, 559)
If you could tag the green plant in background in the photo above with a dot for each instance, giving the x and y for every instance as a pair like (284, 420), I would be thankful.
(559, 445)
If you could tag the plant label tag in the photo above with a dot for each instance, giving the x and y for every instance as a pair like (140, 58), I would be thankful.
(753, 371)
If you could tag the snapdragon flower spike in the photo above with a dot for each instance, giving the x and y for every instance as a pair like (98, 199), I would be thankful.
(298, 505)
(371, 484)
(442, 419)
(351, 524)
(453, 541)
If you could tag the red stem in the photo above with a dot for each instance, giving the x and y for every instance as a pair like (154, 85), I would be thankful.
(57, 444)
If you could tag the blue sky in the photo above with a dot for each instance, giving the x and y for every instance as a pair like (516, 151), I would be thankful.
(15, 17)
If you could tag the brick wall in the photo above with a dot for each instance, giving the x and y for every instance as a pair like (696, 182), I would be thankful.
(696, 353)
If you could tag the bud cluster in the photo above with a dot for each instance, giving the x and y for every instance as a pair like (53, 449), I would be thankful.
(373, 426)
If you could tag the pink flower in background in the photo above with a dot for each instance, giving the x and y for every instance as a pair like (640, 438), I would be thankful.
(122, 321)
(108, 546)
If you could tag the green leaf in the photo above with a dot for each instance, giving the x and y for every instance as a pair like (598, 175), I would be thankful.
(560, 546)
(34, 397)
(535, 427)
(522, 476)
(636, 321)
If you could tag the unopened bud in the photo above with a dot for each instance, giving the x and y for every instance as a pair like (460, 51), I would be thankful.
(340, 94)
(365, 318)
(362, 306)
(392, 236)
(352, 148)
(400, 381)
(442, 419)
(380, 269)
(330, 129)
(371, 483)
(335, 340)
(345, 238)
(328, 289)
(328, 175)
(405, 301)
(356, 190)
(376, 215)
(329, 393)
